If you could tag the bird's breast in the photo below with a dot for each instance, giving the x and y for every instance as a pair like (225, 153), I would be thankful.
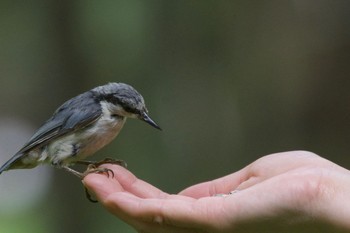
(86, 141)
(99, 134)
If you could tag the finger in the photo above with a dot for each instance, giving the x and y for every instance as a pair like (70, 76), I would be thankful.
(254, 173)
(221, 185)
(101, 186)
(279, 163)
(175, 212)
(123, 180)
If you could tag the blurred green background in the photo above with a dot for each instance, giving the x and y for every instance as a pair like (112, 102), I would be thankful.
(228, 81)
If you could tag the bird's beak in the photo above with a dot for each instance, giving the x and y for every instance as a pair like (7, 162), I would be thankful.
(148, 120)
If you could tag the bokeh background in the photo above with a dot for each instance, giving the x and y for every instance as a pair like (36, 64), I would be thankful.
(228, 81)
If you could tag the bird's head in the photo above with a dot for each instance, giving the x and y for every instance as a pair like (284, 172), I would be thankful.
(123, 100)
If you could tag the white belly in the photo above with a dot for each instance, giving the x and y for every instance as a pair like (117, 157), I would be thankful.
(85, 142)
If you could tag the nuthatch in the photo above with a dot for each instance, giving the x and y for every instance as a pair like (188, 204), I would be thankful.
(80, 127)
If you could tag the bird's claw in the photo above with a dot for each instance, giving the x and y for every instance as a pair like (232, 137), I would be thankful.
(111, 161)
(93, 167)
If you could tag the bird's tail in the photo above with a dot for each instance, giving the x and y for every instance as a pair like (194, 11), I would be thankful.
(11, 163)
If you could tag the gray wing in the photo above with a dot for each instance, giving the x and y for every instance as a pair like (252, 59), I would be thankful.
(74, 114)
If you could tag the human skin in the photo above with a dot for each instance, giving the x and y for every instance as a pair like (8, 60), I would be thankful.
(284, 192)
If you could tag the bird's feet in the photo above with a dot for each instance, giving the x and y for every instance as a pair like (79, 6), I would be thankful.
(93, 167)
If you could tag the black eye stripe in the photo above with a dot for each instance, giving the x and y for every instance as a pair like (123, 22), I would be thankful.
(119, 100)
(129, 109)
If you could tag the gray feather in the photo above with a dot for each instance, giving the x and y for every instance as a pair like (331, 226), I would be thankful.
(72, 115)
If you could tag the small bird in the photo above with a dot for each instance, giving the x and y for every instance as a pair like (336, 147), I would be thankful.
(80, 127)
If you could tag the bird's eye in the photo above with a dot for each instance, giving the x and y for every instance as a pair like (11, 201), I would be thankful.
(128, 109)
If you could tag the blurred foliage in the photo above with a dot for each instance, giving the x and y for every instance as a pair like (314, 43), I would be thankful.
(228, 81)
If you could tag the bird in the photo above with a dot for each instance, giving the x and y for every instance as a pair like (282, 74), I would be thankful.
(80, 127)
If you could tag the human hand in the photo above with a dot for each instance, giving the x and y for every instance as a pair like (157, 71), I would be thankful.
(284, 192)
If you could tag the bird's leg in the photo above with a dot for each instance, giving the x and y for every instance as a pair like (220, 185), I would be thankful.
(74, 172)
(90, 169)
(93, 167)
